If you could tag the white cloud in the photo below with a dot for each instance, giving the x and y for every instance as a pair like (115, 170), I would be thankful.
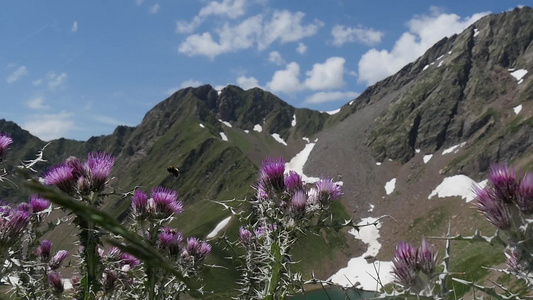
(56, 81)
(227, 8)
(139, 2)
(190, 83)
(17, 74)
(286, 80)
(368, 36)
(302, 48)
(154, 9)
(37, 82)
(50, 126)
(74, 27)
(424, 31)
(275, 57)
(247, 82)
(283, 26)
(37, 103)
(322, 97)
(108, 120)
(329, 75)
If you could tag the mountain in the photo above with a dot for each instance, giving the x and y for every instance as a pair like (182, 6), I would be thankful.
(462, 105)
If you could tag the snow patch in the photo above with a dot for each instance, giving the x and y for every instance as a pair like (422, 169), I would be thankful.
(332, 112)
(426, 158)
(278, 139)
(358, 268)
(298, 161)
(440, 57)
(351, 102)
(417, 150)
(425, 67)
(223, 136)
(293, 123)
(518, 74)
(517, 109)
(450, 52)
(476, 32)
(258, 128)
(225, 123)
(390, 185)
(305, 139)
(378, 163)
(453, 149)
(440, 64)
(458, 185)
(218, 228)
(202, 125)
(371, 209)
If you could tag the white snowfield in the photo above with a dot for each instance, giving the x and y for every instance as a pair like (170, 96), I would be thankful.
(426, 158)
(332, 112)
(279, 139)
(293, 123)
(223, 136)
(218, 228)
(453, 149)
(258, 128)
(517, 109)
(358, 268)
(518, 74)
(225, 123)
(298, 161)
(458, 185)
(390, 185)
(476, 32)
(202, 125)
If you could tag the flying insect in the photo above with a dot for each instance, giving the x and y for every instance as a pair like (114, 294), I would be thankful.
(174, 171)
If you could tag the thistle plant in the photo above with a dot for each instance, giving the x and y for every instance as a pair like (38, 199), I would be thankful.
(282, 211)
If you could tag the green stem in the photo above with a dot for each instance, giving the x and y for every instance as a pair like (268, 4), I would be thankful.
(150, 270)
(91, 261)
(276, 271)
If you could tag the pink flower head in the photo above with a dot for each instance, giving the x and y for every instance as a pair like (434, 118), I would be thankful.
(293, 181)
(245, 236)
(197, 248)
(61, 176)
(12, 225)
(5, 141)
(169, 240)
(54, 280)
(405, 265)
(139, 204)
(56, 261)
(525, 193)
(328, 191)
(271, 174)
(503, 179)
(38, 204)
(427, 257)
(99, 165)
(298, 203)
(114, 253)
(494, 210)
(128, 259)
(44, 250)
(165, 202)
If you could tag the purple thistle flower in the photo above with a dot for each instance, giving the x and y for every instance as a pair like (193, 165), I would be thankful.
(5, 141)
(514, 260)
(405, 265)
(495, 211)
(427, 257)
(271, 174)
(245, 236)
(54, 280)
(56, 261)
(128, 259)
(24, 207)
(169, 240)
(165, 202)
(525, 193)
(197, 249)
(139, 204)
(261, 192)
(293, 181)
(13, 225)
(78, 170)
(61, 176)
(99, 165)
(114, 253)
(38, 204)
(503, 179)
(298, 202)
(328, 191)
(44, 250)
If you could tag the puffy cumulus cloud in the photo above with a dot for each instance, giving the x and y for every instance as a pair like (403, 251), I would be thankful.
(37, 103)
(247, 82)
(17, 74)
(74, 27)
(287, 80)
(329, 75)
(50, 126)
(322, 97)
(275, 57)
(56, 81)
(302, 48)
(368, 36)
(185, 84)
(283, 26)
(227, 8)
(231, 38)
(154, 9)
(424, 31)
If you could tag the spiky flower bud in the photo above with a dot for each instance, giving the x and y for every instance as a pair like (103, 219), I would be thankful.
(427, 257)
(62, 177)
(503, 179)
(164, 203)
(38, 204)
(328, 191)
(55, 282)
(494, 210)
(245, 236)
(271, 174)
(525, 194)
(44, 250)
(56, 261)
(405, 265)
(130, 260)
(99, 165)
(169, 240)
(197, 249)
(293, 181)
(109, 279)
(298, 203)
(5, 141)
(139, 204)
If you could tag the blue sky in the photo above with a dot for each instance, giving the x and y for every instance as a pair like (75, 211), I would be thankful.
(78, 69)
